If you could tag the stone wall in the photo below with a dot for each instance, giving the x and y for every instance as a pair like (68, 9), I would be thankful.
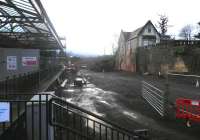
(176, 56)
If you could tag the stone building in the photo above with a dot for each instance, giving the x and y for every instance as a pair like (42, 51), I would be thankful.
(145, 36)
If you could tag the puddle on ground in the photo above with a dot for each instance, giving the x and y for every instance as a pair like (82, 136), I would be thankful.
(105, 102)
(130, 114)
(89, 95)
(69, 90)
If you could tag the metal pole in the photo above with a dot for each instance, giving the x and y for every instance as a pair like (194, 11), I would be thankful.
(166, 96)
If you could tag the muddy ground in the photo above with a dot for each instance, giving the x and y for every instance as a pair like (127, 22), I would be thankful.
(117, 97)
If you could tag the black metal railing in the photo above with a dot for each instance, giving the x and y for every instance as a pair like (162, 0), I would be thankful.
(72, 122)
(28, 118)
(27, 82)
(175, 43)
(47, 117)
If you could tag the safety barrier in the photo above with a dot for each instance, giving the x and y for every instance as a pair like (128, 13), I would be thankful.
(27, 118)
(192, 80)
(73, 122)
(26, 82)
(188, 109)
(155, 97)
(47, 117)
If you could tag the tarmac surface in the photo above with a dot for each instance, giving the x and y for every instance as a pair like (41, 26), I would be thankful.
(117, 97)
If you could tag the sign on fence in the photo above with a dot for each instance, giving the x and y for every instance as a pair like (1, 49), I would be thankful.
(11, 62)
(4, 112)
(29, 61)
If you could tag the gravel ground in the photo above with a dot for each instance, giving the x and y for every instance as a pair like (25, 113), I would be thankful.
(126, 90)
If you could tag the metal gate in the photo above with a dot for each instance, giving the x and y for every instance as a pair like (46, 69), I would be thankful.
(47, 117)
(28, 117)
(73, 122)
(154, 96)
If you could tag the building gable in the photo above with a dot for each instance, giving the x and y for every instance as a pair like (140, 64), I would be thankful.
(128, 43)
(149, 35)
(149, 29)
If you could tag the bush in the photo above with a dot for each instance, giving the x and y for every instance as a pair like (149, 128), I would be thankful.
(104, 64)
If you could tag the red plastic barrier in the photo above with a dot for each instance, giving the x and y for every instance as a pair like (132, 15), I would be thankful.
(188, 109)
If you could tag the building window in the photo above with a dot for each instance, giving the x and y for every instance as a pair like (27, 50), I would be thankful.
(145, 42)
(149, 29)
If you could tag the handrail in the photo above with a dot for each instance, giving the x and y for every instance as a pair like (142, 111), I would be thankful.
(21, 105)
(184, 75)
(68, 128)
(116, 126)
(102, 129)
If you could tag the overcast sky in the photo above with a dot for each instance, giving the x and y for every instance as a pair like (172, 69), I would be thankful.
(91, 26)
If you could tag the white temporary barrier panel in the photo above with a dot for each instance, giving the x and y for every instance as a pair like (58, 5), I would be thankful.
(4, 112)
(34, 117)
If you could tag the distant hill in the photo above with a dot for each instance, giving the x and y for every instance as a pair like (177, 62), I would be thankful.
(81, 55)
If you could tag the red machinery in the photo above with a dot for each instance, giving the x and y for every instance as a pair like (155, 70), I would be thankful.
(188, 109)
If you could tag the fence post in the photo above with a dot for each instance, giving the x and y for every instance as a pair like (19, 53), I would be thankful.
(14, 84)
(7, 86)
(166, 97)
(38, 79)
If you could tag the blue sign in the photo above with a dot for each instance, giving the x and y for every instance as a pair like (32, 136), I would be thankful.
(4, 112)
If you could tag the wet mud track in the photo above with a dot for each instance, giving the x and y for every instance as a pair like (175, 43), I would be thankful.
(118, 98)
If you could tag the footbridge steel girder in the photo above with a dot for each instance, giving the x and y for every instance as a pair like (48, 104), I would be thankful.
(27, 21)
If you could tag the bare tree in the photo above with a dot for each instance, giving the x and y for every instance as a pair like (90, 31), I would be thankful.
(198, 34)
(115, 43)
(163, 24)
(186, 32)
